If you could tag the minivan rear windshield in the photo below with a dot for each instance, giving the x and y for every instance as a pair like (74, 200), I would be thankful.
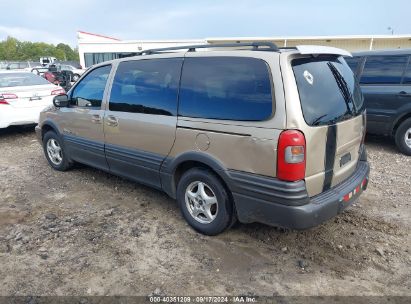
(329, 92)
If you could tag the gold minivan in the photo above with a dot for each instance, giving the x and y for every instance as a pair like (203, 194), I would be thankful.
(246, 132)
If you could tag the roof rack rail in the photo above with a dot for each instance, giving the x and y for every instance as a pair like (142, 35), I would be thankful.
(256, 46)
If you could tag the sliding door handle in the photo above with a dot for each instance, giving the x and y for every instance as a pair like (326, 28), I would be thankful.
(112, 121)
(403, 94)
(96, 119)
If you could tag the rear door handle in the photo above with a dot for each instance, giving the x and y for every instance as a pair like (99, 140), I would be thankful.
(403, 94)
(112, 121)
(96, 118)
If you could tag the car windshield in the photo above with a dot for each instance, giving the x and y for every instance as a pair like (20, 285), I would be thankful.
(21, 79)
(328, 90)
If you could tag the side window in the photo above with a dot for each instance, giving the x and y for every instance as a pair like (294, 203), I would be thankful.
(407, 75)
(231, 88)
(89, 92)
(383, 69)
(146, 86)
(353, 63)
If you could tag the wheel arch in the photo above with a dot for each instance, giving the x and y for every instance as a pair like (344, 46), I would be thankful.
(49, 126)
(399, 121)
(173, 169)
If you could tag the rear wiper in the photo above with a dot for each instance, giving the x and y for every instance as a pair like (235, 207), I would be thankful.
(317, 121)
(343, 86)
(340, 118)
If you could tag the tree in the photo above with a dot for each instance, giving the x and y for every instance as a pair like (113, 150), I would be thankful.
(13, 49)
(69, 53)
(8, 48)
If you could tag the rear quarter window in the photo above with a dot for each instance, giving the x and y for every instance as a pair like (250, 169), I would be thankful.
(353, 63)
(407, 74)
(228, 88)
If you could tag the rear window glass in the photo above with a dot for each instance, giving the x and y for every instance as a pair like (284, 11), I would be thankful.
(21, 79)
(328, 90)
(383, 69)
(230, 88)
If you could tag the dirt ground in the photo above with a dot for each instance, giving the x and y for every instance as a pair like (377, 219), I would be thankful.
(85, 232)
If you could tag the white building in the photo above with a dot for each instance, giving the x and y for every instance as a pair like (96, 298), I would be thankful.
(94, 48)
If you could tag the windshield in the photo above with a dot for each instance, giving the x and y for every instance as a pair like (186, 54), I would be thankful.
(328, 90)
(21, 79)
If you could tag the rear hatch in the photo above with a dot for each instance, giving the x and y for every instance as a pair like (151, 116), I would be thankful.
(333, 110)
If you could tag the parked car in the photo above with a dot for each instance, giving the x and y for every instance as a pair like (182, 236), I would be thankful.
(22, 65)
(39, 70)
(22, 96)
(66, 67)
(47, 60)
(74, 64)
(58, 77)
(258, 134)
(385, 79)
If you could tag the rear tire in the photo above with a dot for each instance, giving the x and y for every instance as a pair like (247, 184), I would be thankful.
(54, 151)
(204, 201)
(403, 137)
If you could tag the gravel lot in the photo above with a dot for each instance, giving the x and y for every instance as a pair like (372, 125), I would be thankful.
(85, 232)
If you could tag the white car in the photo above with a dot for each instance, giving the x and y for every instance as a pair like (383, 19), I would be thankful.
(23, 95)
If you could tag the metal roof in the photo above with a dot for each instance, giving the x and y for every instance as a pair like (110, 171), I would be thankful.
(337, 37)
(383, 52)
(106, 39)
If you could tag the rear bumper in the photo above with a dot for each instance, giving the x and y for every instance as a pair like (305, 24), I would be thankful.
(314, 211)
(18, 116)
(18, 121)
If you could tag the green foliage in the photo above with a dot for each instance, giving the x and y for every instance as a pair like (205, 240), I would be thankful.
(12, 49)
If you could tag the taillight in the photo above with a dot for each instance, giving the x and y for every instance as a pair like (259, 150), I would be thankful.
(5, 96)
(291, 156)
(58, 92)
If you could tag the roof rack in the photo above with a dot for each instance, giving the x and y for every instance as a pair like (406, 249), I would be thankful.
(256, 46)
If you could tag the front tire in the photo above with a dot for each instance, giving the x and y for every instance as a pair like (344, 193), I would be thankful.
(403, 137)
(54, 151)
(204, 201)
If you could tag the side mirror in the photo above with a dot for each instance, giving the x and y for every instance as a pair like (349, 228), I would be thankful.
(61, 101)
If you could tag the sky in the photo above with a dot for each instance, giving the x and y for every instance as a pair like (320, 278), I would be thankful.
(56, 21)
